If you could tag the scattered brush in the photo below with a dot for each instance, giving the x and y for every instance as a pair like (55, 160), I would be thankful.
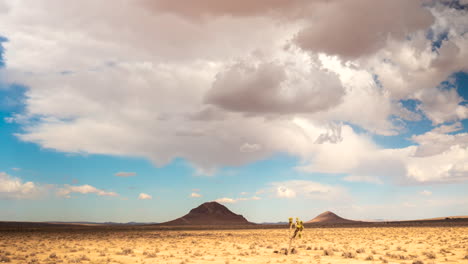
(328, 252)
(348, 254)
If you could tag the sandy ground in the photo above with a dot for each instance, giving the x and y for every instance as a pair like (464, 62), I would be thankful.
(319, 245)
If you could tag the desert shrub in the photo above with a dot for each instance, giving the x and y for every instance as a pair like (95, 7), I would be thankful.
(370, 257)
(418, 262)
(383, 260)
(126, 251)
(348, 254)
(149, 254)
(430, 255)
(328, 252)
(360, 250)
(443, 250)
(5, 259)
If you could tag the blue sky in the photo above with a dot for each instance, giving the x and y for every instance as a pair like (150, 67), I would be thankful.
(272, 121)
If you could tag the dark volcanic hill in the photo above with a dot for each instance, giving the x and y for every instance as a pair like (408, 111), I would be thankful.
(211, 213)
(330, 217)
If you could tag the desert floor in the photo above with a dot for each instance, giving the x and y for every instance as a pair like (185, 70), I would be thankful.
(318, 245)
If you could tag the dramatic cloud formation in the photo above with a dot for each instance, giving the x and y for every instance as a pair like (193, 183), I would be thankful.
(82, 189)
(125, 174)
(144, 196)
(14, 188)
(225, 83)
(273, 88)
(348, 29)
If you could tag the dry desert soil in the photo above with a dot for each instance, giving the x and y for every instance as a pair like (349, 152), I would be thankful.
(318, 245)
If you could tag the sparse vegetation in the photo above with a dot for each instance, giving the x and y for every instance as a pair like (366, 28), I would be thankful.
(318, 245)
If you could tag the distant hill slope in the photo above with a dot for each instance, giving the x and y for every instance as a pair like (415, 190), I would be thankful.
(210, 213)
(443, 218)
(330, 217)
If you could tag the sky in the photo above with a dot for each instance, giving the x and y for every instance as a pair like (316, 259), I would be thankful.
(140, 110)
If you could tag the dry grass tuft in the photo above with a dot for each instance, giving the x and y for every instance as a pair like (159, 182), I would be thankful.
(348, 254)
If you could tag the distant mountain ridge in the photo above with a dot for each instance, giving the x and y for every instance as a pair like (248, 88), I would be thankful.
(330, 217)
(100, 223)
(210, 213)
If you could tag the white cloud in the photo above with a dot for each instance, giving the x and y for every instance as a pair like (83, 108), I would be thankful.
(284, 192)
(426, 193)
(9, 120)
(232, 200)
(14, 188)
(144, 196)
(444, 129)
(125, 174)
(308, 190)
(195, 195)
(294, 86)
(225, 200)
(67, 190)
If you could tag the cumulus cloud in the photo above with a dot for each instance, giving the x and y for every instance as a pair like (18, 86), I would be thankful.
(307, 189)
(348, 29)
(436, 158)
(225, 200)
(14, 188)
(125, 174)
(270, 87)
(67, 190)
(295, 83)
(195, 195)
(144, 196)
(442, 105)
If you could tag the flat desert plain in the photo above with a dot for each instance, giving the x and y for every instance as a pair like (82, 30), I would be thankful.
(318, 245)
